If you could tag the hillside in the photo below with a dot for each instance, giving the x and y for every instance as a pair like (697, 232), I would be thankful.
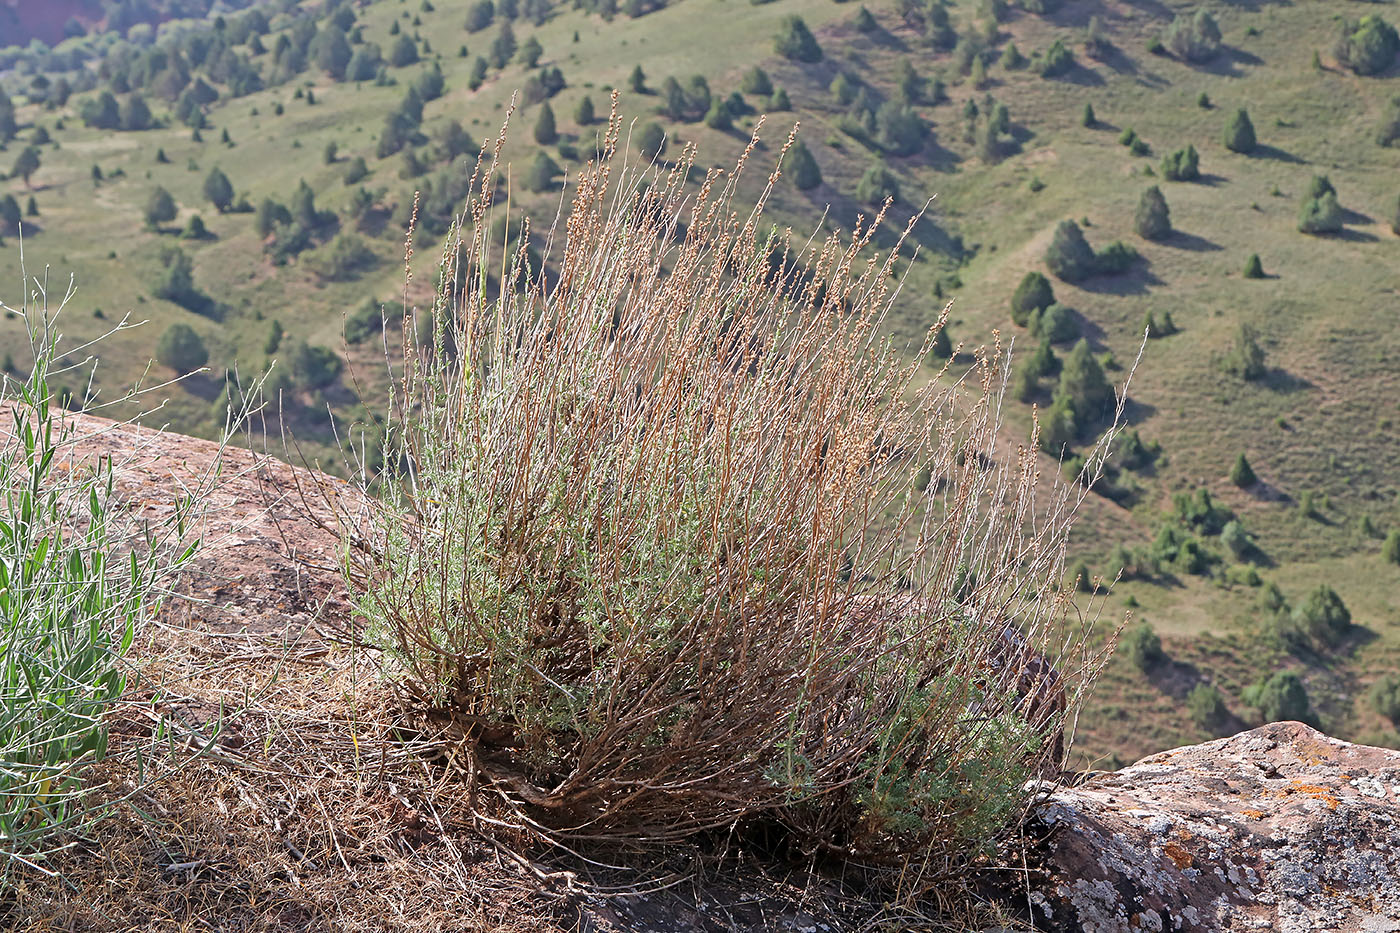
(916, 100)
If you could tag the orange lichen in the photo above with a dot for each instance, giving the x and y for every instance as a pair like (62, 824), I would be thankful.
(1178, 855)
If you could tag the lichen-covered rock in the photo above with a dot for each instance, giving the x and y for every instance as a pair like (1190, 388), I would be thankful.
(1280, 828)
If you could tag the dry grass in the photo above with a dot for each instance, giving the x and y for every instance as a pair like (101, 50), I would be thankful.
(680, 543)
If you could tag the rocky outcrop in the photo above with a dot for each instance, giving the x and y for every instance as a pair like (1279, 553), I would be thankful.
(1279, 828)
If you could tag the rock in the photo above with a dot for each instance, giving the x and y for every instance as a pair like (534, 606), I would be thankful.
(1279, 828)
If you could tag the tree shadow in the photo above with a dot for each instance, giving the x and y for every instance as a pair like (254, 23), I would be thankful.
(1350, 216)
(1082, 76)
(1283, 382)
(1136, 281)
(1174, 678)
(203, 385)
(1264, 151)
(1355, 236)
(1179, 239)
(1210, 180)
(1135, 413)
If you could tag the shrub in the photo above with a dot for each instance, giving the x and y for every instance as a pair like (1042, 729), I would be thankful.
(901, 131)
(802, 167)
(313, 367)
(1181, 165)
(1253, 267)
(1205, 706)
(176, 281)
(1069, 255)
(756, 81)
(1088, 119)
(1034, 293)
(1321, 215)
(877, 185)
(1142, 646)
(218, 190)
(1239, 132)
(1246, 357)
(1242, 474)
(1083, 382)
(646, 606)
(343, 258)
(81, 575)
(796, 41)
(1115, 258)
(546, 133)
(652, 141)
(1323, 616)
(1385, 697)
(542, 173)
(195, 229)
(1280, 698)
(181, 349)
(1059, 60)
(865, 21)
(1318, 186)
(1367, 47)
(1390, 548)
(1395, 216)
(1194, 38)
(1389, 130)
(160, 208)
(1055, 324)
(1236, 540)
(1153, 218)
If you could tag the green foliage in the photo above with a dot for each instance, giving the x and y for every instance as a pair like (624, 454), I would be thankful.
(181, 349)
(1195, 38)
(801, 166)
(1205, 706)
(651, 142)
(404, 52)
(26, 163)
(530, 52)
(1281, 698)
(1239, 133)
(1390, 548)
(1084, 385)
(756, 81)
(1367, 47)
(1059, 60)
(77, 583)
(1236, 540)
(542, 173)
(195, 229)
(1057, 425)
(900, 131)
(1153, 218)
(1253, 267)
(1142, 646)
(583, 113)
(356, 171)
(1242, 474)
(218, 190)
(1034, 293)
(313, 367)
(1318, 186)
(1056, 323)
(796, 42)
(1200, 512)
(1182, 165)
(1323, 616)
(1115, 258)
(480, 15)
(1385, 697)
(546, 133)
(864, 21)
(1069, 256)
(1088, 119)
(1245, 358)
(176, 280)
(343, 259)
(1321, 215)
(877, 185)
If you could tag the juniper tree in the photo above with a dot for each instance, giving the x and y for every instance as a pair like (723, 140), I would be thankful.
(160, 208)
(1253, 267)
(1153, 218)
(1069, 255)
(1239, 133)
(546, 133)
(181, 349)
(802, 167)
(1242, 474)
(796, 42)
(1034, 293)
(218, 190)
(583, 113)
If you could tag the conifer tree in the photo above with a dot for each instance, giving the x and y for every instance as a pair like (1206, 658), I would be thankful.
(1242, 474)
(1239, 133)
(1153, 218)
(546, 133)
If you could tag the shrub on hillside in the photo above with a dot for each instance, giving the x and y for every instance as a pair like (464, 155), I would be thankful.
(622, 598)
(1280, 698)
(1181, 165)
(1385, 697)
(1115, 258)
(1242, 474)
(344, 258)
(1321, 214)
(1323, 616)
(1367, 47)
(802, 168)
(175, 282)
(1239, 133)
(796, 42)
(1054, 323)
(181, 349)
(1069, 256)
(1083, 383)
(1153, 218)
(1034, 293)
(877, 184)
(1059, 60)
(312, 367)
(1253, 267)
(1142, 646)
(1205, 706)
(1195, 38)
(1390, 548)
(651, 141)
(1245, 358)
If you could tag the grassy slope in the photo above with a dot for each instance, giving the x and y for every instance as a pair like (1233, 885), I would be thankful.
(1323, 421)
